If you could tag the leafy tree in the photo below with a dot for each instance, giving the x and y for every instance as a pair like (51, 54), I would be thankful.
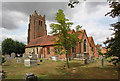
(113, 43)
(9, 46)
(64, 40)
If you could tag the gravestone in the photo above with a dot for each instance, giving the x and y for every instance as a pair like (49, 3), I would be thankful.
(27, 62)
(8, 59)
(34, 56)
(30, 77)
(25, 56)
(19, 60)
(55, 58)
(102, 62)
(85, 61)
(30, 62)
(12, 55)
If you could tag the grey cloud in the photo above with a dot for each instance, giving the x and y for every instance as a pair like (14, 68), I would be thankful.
(92, 7)
(45, 8)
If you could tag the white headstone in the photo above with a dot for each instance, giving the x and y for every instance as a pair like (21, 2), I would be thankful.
(55, 58)
(27, 62)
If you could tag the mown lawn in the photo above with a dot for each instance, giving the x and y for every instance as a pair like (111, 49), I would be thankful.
(49, 69)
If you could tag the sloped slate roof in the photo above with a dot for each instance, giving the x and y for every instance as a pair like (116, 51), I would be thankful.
(47, 40)
(41, 41)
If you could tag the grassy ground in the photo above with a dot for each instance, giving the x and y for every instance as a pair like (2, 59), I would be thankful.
(49, 69)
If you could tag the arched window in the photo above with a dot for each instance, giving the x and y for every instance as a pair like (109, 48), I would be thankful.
(85, 45)
(73, 49)
(79, 47)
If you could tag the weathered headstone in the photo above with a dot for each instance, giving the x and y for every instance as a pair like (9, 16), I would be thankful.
(19, 60)
(12, 55)
(102, 62)
(8, 59)
(85, 61)
(29, 62)
(25, 56)
(55, 58)
(30, 77)
(34, 56)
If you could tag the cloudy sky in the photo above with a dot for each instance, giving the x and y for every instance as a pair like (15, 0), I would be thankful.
(90, 15)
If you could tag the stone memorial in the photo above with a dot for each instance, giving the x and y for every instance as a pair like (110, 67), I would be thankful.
(19, 60)
(25, 56)
(55, 58)
(8, 59)
(30, 77)
(12, 55)
(27, 62)
(32, 61)
(85, 61)
(34, 56)
(102, 62)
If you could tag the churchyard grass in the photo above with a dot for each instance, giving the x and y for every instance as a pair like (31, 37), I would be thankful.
(49, 69)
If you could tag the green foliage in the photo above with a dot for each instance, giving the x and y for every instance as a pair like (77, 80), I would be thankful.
(64, 40)
(114, 43)
(9, 46)
(100, 53)
(60, 30)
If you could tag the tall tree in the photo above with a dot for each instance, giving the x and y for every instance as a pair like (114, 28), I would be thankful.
(63, 39)
(9, 46)
(114, 43)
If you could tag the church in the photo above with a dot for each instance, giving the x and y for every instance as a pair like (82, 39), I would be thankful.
(40, 43)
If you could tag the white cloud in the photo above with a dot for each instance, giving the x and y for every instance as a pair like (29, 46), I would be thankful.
(14, 19)
(7, 34)
(96, 24)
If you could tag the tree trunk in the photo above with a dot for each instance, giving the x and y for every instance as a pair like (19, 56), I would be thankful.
(67, 60)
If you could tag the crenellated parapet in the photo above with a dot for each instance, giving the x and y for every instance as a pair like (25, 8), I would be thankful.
(37, 26)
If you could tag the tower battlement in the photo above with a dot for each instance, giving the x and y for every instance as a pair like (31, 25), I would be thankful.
(36, 26)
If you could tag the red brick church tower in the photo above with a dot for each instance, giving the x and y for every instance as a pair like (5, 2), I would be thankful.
(36, 27)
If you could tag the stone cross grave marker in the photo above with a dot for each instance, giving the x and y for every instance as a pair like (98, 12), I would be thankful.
(12, 55)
